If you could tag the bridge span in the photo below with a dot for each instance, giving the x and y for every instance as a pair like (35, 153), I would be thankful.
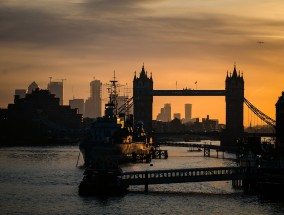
(166, 176)
(188, 92)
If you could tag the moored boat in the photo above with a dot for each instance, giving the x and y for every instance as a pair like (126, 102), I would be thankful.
(114, 135)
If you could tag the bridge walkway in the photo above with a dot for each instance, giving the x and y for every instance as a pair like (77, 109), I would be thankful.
(167, 176)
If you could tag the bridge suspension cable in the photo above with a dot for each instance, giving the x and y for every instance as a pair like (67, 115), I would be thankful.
(126, 106)
(260, 114)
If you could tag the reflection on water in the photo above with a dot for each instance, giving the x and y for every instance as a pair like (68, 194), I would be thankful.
(44, 180)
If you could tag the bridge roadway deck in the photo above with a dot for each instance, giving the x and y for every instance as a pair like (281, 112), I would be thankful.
(189, 92)
(167, 176)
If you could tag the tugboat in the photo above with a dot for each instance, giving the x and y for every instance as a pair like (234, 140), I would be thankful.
(104, 177)
(113, 136)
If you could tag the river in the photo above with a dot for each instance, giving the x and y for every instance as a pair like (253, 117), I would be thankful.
(45, 179)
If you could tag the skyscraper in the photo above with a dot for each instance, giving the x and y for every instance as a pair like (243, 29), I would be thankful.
(96, 89)
(56, 88)
(93, 105)
(168, 112)
(165, 113)
(188, 111)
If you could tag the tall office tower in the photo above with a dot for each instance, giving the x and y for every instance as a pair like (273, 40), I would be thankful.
(96, 89)
(168, 112)
(56, 88)
(165, 113)
(78, 104)
(93, 105)
(160, 116)
(188, 111)
(21, 93)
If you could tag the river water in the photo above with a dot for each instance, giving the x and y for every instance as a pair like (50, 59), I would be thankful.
(45, 179)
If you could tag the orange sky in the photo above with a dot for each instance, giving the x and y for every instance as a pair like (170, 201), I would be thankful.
(179, 41)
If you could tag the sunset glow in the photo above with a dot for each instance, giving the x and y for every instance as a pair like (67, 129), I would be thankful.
(180, 42)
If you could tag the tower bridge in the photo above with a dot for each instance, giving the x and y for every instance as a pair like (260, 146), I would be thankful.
(143, 93)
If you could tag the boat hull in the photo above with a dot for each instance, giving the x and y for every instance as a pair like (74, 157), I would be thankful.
(118, 152)
(102, 182)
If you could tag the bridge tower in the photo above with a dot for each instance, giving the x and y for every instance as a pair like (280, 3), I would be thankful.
(234, 108)
(280, 123)
(143, 99)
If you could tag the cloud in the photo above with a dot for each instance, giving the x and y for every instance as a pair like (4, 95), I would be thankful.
(129, 28)
(114, 8)
(104, 25)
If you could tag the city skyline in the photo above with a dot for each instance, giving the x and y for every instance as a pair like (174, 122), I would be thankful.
(184, 44)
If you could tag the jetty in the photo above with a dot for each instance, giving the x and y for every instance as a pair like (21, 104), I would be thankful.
(167, 176)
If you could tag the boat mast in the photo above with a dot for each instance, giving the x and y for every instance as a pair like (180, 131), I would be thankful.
(113, 93)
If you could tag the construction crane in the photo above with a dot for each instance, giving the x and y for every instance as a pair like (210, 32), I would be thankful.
(62, 79)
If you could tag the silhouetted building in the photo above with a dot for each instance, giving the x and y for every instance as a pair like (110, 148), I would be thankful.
(168, 112)
(90, 108)
(56, 88)
(234, 109)
(38, 118)
(177, 116)
(280, 122)
(160, 116)
(165, 113)
(187, 112)
(143, 99)
(77, 104)
(32, 87)
(210, 124)
(93, 105)
(21, 93)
